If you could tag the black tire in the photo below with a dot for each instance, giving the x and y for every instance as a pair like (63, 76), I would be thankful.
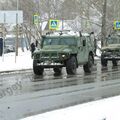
(57, 70)
(89, 65)
(103, 61)
(71, 65)
(114, 62)
(37, 69)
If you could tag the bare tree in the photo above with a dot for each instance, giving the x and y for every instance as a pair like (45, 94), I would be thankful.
(103, 29)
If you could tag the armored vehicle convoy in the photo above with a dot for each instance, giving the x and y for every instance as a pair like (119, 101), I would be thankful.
(64, 49)
(111, 52)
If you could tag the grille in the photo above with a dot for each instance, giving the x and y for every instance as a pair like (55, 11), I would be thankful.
(49, 55)
(37, 56)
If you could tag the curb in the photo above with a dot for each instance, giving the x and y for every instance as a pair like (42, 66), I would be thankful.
(14, 71)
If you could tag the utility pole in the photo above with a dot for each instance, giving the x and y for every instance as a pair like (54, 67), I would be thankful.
(103, 29)
(16, 52)
(48, 5)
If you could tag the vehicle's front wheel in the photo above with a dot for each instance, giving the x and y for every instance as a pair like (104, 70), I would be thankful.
(71, 65)
(89, 65)
(103, 61)
(37, 69)
(57, 70)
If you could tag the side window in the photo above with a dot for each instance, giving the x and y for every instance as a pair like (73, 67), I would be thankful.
(89, 41)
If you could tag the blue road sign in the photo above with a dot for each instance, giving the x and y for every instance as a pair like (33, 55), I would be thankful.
(53, 24)
(117, 25)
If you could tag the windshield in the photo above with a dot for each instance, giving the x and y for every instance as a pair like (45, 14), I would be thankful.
(59, 41)
(113, 40)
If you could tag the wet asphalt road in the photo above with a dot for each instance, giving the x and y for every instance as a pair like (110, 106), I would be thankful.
(31, 83)
(29, 94)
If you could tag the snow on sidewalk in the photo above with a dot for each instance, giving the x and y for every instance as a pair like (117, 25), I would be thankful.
(23, 61)
(106, 109)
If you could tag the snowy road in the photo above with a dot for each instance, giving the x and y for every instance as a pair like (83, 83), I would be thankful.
(29, 94)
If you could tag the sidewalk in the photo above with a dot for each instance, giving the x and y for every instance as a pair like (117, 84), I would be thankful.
(105, 109)
(23, 61)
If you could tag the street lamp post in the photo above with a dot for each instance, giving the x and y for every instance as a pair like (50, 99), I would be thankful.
(17, 28)
(16, 51)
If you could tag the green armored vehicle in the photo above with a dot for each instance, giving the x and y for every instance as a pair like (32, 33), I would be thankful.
(64, 49)
(111, 52)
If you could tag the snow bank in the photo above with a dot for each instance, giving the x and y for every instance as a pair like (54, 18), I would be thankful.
(106, 109)
(23, 61)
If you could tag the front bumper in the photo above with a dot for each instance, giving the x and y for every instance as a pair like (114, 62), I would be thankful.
(51, 60)
(49, 64)
(111, 57)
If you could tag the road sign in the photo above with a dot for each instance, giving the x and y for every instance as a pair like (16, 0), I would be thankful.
(53, 24)
(10, 17)
(36, 19)
(117, 25)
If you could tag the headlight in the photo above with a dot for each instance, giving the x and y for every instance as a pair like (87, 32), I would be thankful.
(63, 56)
(104, 51)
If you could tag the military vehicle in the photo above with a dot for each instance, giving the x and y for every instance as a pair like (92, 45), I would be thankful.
(64, 49)
(111, 52)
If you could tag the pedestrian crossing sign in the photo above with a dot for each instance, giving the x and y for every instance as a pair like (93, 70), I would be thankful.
(116, 25)
(53, 24)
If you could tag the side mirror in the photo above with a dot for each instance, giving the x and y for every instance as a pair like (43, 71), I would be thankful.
(84, 42)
